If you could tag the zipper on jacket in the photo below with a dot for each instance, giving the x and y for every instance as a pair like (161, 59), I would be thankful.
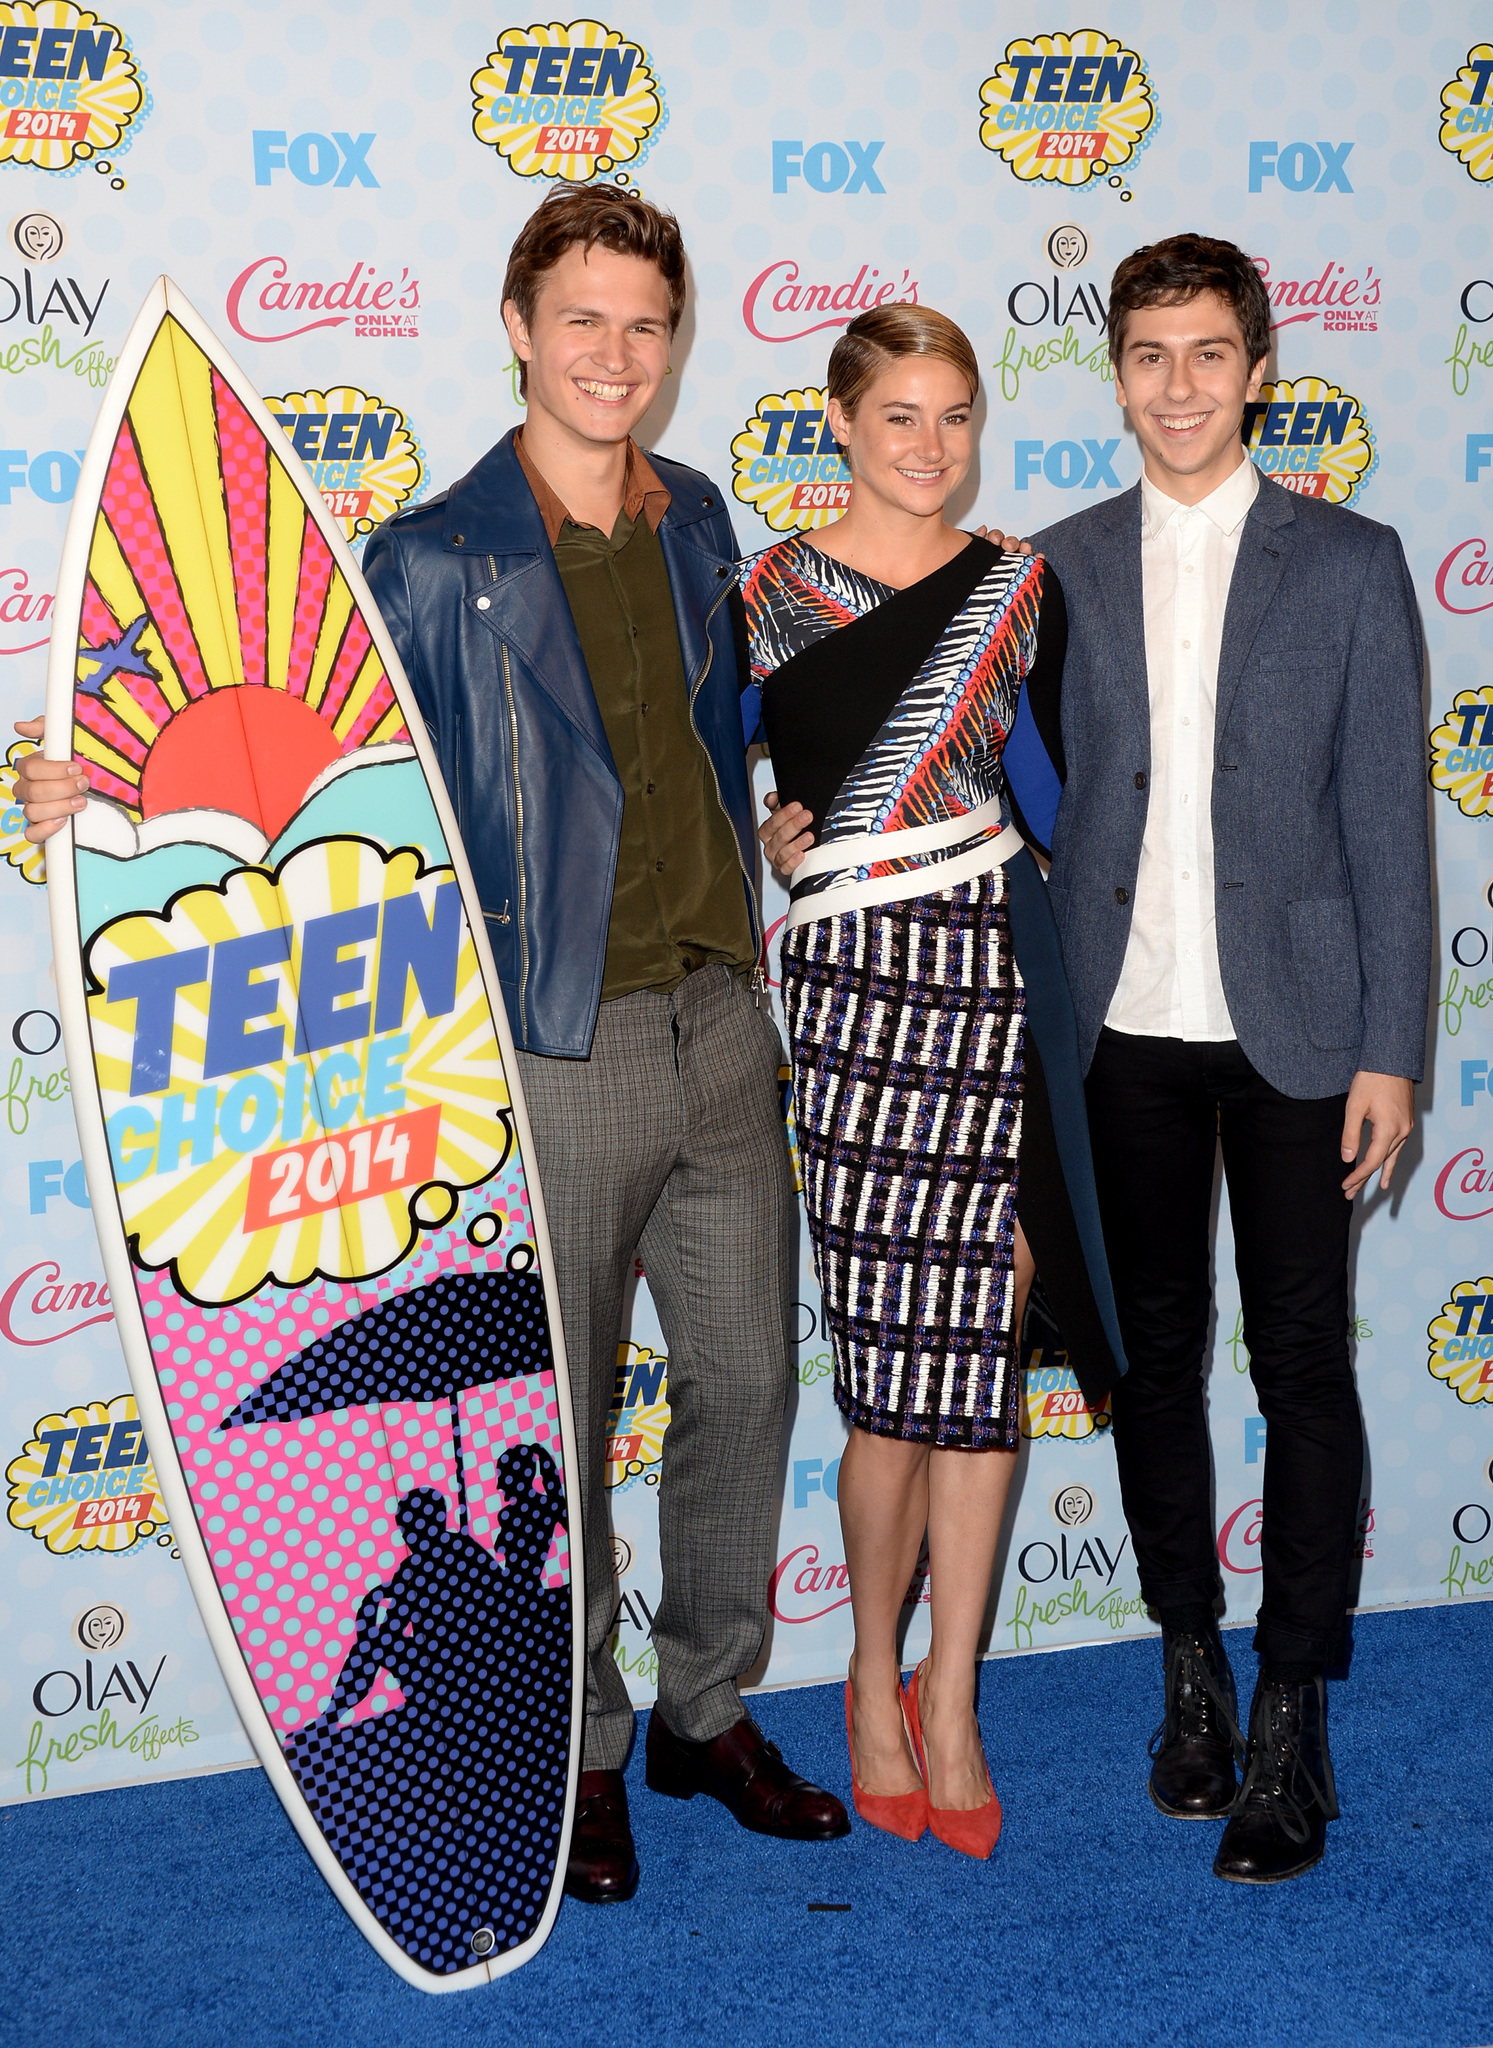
(753, 907)
(518, 807)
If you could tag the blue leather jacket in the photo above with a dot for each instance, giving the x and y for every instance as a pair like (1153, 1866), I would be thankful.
(468, 588)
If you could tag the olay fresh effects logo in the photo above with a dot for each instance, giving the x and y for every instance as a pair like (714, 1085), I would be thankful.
(1071, 109)
(782, 305)
(786, 465)
(1311, 437)
(1462, 743)
(1467, 114)
(69, 86)
(575, 102)
(360, 450)
(269, 302)
(1344, 304)
(1461, 1339)
(84, 1481)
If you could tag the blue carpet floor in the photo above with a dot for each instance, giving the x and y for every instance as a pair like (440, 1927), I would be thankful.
(187, 1916)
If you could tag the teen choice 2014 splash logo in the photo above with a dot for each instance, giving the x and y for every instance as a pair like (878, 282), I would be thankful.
(16, 847)
(1462, 752)
(1462, 1341)
(69, 86)
(639, 1416)
(570, 100)
(360, 450)
(1055, 1404)
(1073, 109)
(1310, 437)
(787, 465)
(85, 1481)
(1467, 114)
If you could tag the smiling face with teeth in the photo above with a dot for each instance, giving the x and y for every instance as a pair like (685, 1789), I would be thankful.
(909, 440)
(597, 347)
(1184, 377)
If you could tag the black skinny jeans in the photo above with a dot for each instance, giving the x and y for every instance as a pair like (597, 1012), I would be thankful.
(1157, 1108)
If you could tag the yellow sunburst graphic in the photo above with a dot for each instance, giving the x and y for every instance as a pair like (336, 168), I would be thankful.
(1462, 752)
(639, 1415)
(17, 848)
(1467, 114)
(361, 451)
(78, 91)
(85, 1480)
(1069, 109)
(316, 1138)
(1461, 1339)
(567, 100)
(786, 465)
(1311, 436)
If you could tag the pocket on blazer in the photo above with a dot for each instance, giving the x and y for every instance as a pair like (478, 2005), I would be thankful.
(1324, 948)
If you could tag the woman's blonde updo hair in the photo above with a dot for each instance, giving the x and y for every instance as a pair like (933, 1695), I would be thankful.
(874, 339)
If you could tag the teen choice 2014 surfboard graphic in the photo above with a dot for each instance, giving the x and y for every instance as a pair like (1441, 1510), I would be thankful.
(311, 1171)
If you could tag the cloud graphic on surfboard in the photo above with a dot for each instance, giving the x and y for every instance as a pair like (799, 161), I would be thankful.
(298, 1069)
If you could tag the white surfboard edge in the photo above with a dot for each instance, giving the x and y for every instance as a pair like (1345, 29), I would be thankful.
(166, 299)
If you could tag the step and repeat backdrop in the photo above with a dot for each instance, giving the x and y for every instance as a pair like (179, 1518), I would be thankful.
(336, 189)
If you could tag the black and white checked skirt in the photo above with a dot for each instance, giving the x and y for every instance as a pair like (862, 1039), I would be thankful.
(906, 1026)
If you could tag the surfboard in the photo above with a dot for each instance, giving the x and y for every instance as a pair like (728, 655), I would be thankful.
(311, 1172)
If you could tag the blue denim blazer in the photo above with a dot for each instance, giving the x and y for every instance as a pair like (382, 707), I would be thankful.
(468, 587)
(1321, 855)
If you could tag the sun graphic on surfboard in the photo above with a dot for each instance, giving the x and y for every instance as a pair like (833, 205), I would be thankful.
(223, 663)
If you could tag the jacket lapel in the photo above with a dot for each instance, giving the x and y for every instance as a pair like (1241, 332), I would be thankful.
(1119, 577)
(1265, 546)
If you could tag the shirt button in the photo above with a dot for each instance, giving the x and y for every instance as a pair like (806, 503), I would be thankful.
(658, 867)
(1186, 721)
(644, 709)
(1189, 568)
(484, 604)
(648, 788)
(1185, 875)
(1186, 643)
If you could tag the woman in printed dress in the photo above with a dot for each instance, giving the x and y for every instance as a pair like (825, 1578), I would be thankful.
(910, 675)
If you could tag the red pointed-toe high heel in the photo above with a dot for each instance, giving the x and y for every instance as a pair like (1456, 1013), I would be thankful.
(903, 1813)
(973, 1831)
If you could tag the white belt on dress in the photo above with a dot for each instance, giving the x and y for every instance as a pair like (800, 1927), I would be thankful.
(870, 848)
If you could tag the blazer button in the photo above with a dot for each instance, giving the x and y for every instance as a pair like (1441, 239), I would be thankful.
(723, 572)
(1122, 895)
(458, 540)
(1140, 780)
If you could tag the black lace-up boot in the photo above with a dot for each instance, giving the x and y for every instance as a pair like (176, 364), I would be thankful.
(1279, 1824)
(1192, 1777)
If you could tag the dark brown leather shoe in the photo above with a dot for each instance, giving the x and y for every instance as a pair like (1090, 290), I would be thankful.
(746, 1773)
(603, 1866)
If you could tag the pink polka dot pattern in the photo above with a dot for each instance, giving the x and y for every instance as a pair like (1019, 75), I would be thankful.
(244, 461)
(299, 1517)
(356, 642)
(130, 510)
(310, 605)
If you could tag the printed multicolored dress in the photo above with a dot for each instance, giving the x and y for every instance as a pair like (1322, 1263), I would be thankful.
(935, 1064)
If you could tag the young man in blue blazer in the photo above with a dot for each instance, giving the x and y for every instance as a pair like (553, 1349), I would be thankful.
(1241, 882)
(566, 615)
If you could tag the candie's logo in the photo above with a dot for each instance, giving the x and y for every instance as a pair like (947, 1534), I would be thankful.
(780, 306)
(69, 87)
(1055, 1405)
(361, 453)
(267, 302)
(24, 613)
(1462, 744)
(1467, 114)
(1072, 109)
(577, 101)
(1461, 1340)
(85, 1481)
(1345, 305)
(786, 464)
(1312, 438)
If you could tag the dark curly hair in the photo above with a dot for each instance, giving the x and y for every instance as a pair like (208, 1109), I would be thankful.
(1170, 273)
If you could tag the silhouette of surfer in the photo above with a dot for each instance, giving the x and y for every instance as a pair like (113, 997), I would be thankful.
(468, 1774)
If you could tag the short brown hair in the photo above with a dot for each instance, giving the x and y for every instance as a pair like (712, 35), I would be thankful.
(1170, 273)
(886, 333)
(623, 222)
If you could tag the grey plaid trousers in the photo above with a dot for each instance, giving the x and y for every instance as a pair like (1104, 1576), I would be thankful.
(668, 1143)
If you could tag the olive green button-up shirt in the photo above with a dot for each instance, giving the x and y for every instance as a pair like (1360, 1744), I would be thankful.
(678, 897)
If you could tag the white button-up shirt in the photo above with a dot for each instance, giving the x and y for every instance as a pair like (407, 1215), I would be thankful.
(1170, 986)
